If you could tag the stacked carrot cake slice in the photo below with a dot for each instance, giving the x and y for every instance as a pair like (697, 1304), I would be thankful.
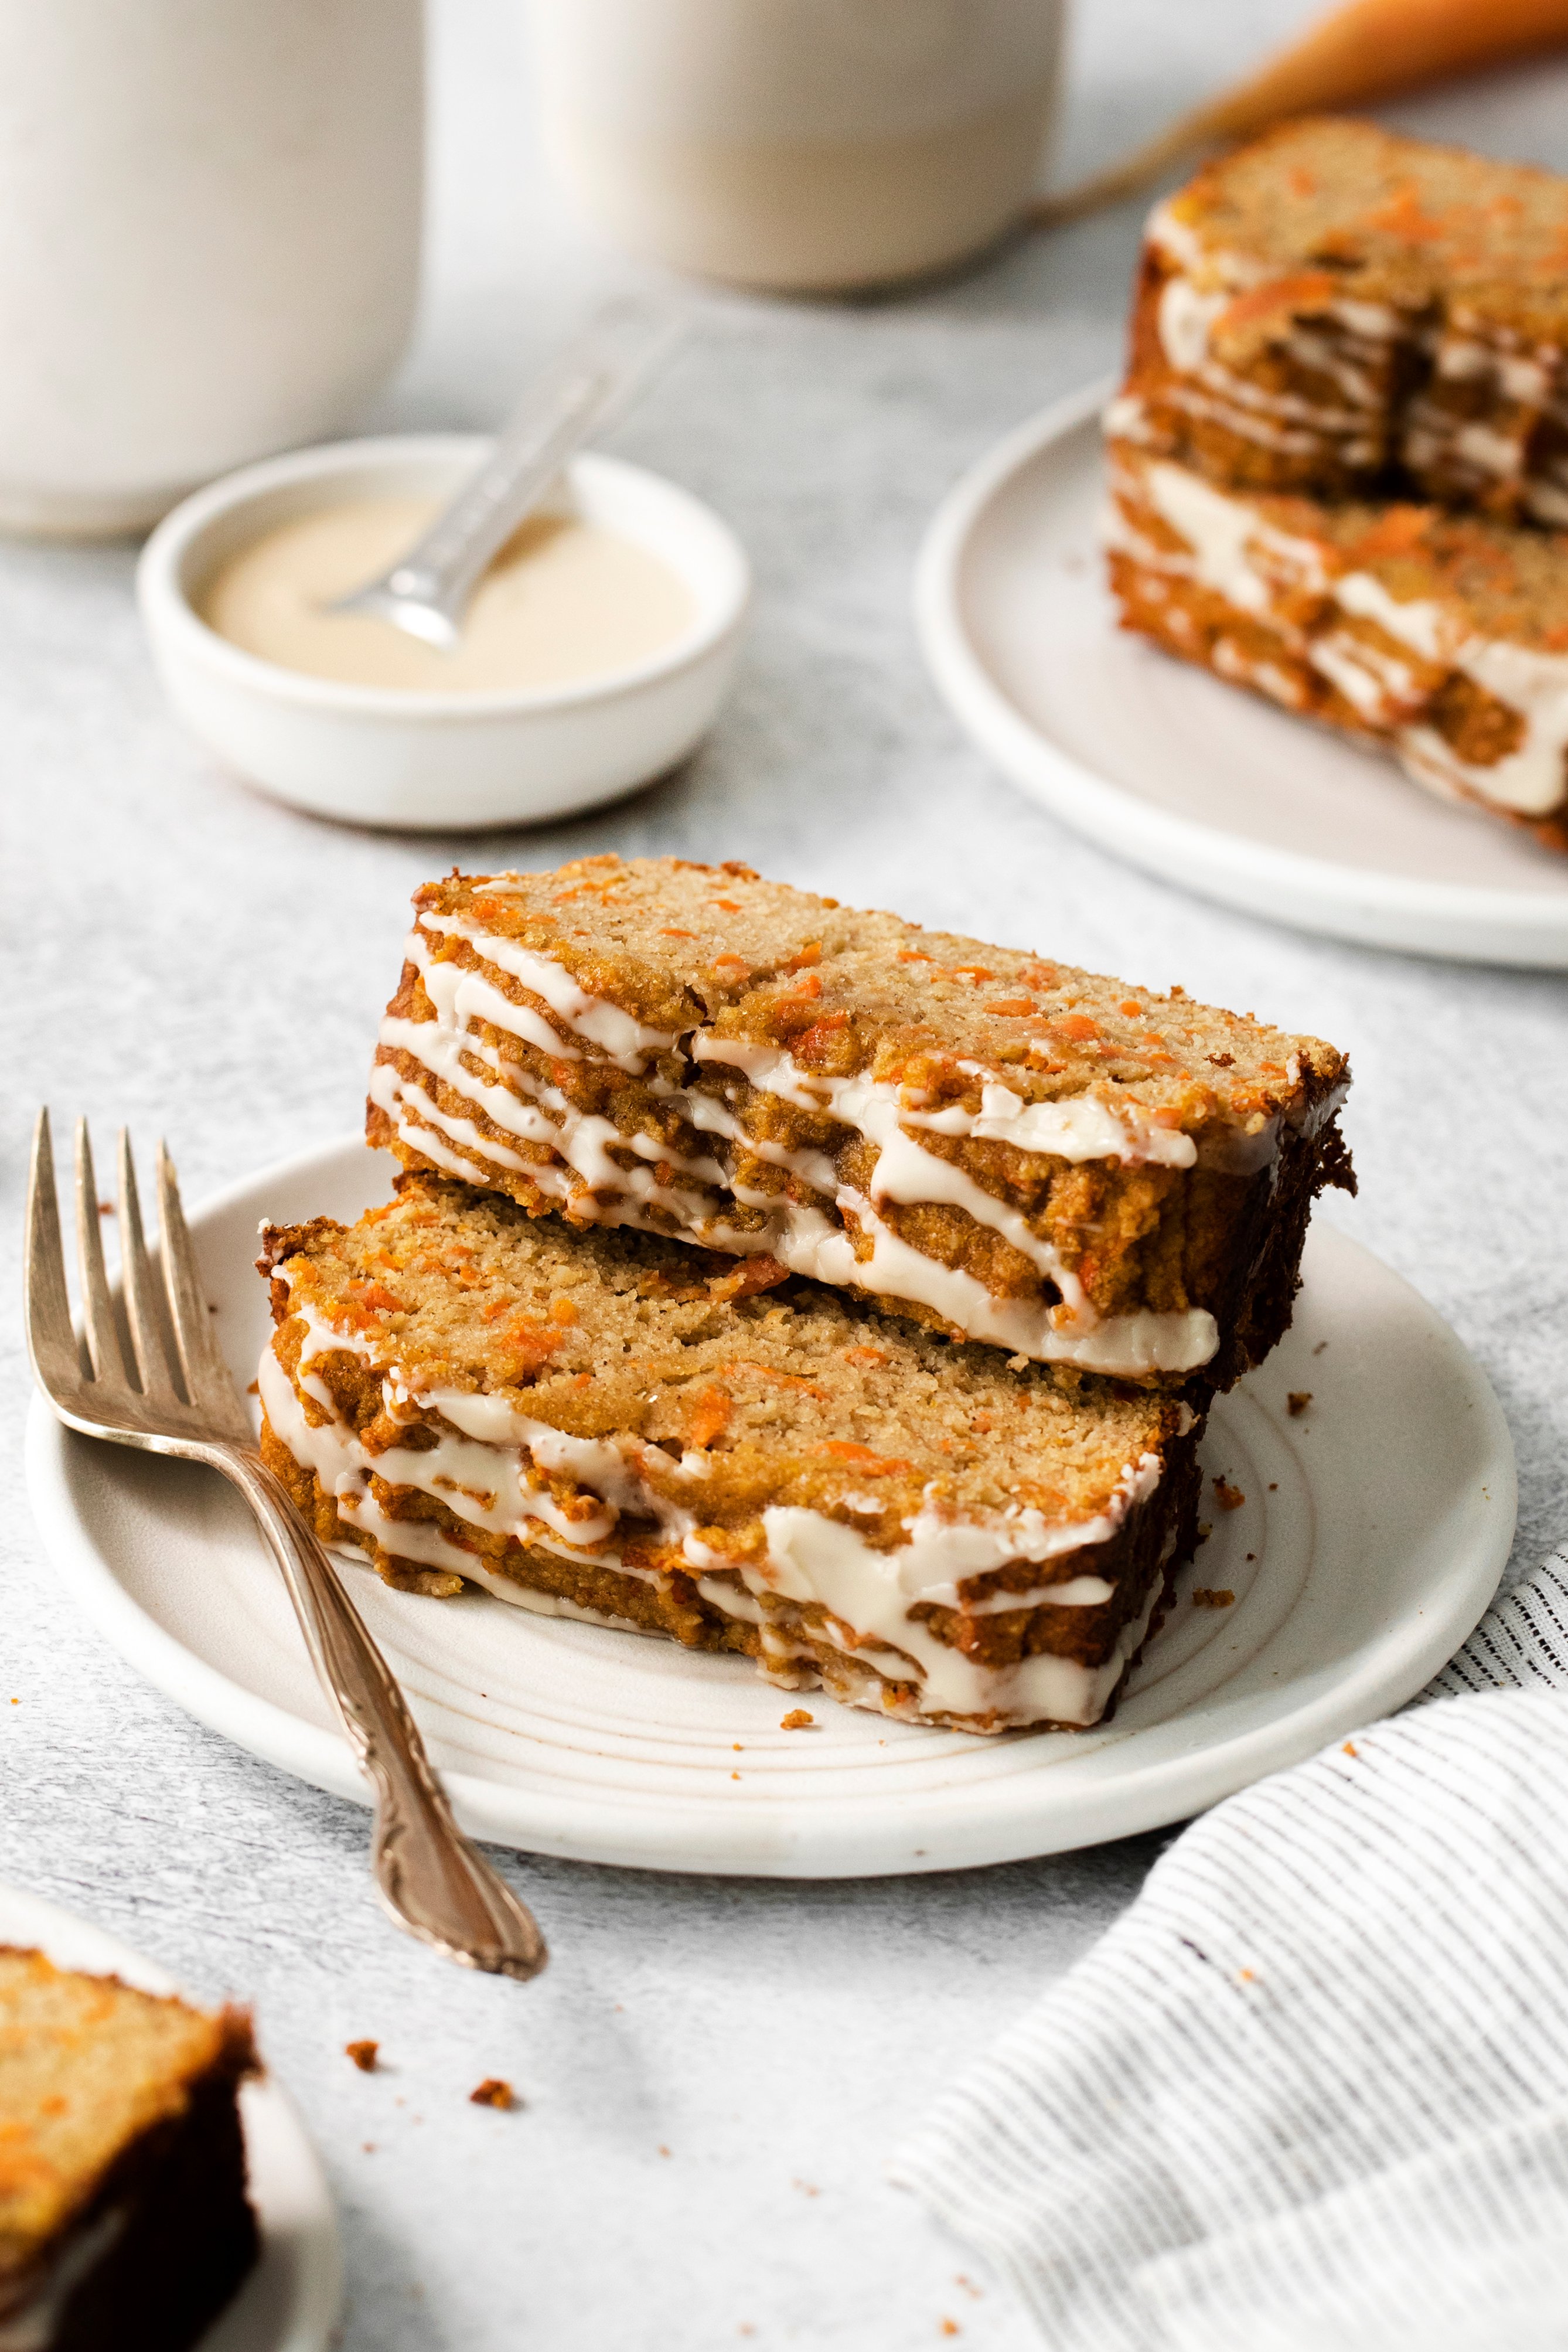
(1339, 335)
(795, 1282)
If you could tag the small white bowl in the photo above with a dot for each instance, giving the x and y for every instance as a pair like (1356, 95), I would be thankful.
(370, 755)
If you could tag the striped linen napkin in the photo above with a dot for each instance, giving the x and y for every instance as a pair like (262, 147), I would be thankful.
(1311, 2093)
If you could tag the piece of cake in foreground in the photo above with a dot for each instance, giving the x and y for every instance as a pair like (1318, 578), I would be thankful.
(998, 1145)
(615, 1426)
(124, 2225)
(1443, 635)
(1338, 310)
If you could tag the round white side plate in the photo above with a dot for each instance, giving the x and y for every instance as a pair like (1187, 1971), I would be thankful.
(1374, 1528)
(291, 2299)
(1166, 765)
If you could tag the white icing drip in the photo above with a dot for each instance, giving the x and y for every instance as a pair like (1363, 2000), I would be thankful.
(1331, 359)
(1223, 534)
(711, 1116)
(1546, 503)
(1530, 779)
(1125, 417)
(813, 1558)
(906, 1173)
(486, 1484)
(1385, 689)
(1082, 1127)
(733, 1599)
(1490, 452)
(582, 1140)
(1172, 237)
(390, 1090)
(462, 996)
(1186, 316)
(1371, 685)
(1148, 1343)
(623, 1038)
(1243, 410)
(960, 1548)
(1376, 322)
(1417, 621)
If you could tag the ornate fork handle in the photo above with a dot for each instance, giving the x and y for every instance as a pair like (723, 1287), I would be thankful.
(430, 1877)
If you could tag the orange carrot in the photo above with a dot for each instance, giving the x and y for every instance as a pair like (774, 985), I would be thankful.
(1363, 50)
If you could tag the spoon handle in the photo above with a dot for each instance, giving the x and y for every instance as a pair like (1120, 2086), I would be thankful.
(566, 403)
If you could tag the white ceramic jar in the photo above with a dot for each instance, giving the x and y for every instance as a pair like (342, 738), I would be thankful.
(209, 240)
(806, 145)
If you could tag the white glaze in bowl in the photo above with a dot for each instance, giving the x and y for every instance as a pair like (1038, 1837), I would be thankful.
(375, 756)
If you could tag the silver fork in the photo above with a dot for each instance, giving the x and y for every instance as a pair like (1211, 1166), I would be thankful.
(169, 1392)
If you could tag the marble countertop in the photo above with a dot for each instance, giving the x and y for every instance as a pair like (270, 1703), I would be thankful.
(713, 2070)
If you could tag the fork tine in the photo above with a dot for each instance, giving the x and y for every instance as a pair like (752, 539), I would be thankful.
(98, 1309)
(207, 1381)
(51, 1342)
(146, 1309)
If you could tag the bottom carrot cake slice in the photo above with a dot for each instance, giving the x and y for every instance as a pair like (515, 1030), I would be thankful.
(612, 1426)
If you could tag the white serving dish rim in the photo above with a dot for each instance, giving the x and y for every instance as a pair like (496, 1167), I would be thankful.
(179, 534)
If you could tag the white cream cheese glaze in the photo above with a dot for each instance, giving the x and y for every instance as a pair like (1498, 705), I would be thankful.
(490, 1467)
(799, 1233)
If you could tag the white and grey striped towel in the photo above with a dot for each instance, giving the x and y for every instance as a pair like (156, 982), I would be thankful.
(1311, 2093)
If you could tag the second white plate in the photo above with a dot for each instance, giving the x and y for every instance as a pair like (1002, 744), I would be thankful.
(1374, 1528)
(1205, 784)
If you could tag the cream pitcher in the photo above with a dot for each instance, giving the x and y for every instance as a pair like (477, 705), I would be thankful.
(803, 145)
(209, 240)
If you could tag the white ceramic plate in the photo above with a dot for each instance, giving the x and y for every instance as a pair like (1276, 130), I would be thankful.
(1374, 1528)
(291, 2299)
(1166, 765)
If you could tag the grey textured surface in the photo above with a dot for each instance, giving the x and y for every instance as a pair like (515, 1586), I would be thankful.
(181, 954)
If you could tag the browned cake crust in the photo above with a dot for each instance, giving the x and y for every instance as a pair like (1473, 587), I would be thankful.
(986, 1141)
(1338, 310)
(124, 2221)
(613, 1425)
(1442, 636)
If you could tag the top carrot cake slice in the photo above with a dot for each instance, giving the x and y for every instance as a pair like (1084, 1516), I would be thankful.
(1336, 309)
(1071, 1167)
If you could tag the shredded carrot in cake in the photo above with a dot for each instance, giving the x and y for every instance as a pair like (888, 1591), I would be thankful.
(711, 1415)
(874, 1466)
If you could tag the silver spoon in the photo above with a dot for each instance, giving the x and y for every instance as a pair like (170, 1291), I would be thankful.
(426, 592)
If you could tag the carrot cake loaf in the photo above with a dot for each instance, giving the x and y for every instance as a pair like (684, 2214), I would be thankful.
(989, 1141)
(615, 1426)
(123, 2216)
(1337, 310)
(1443, 635)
